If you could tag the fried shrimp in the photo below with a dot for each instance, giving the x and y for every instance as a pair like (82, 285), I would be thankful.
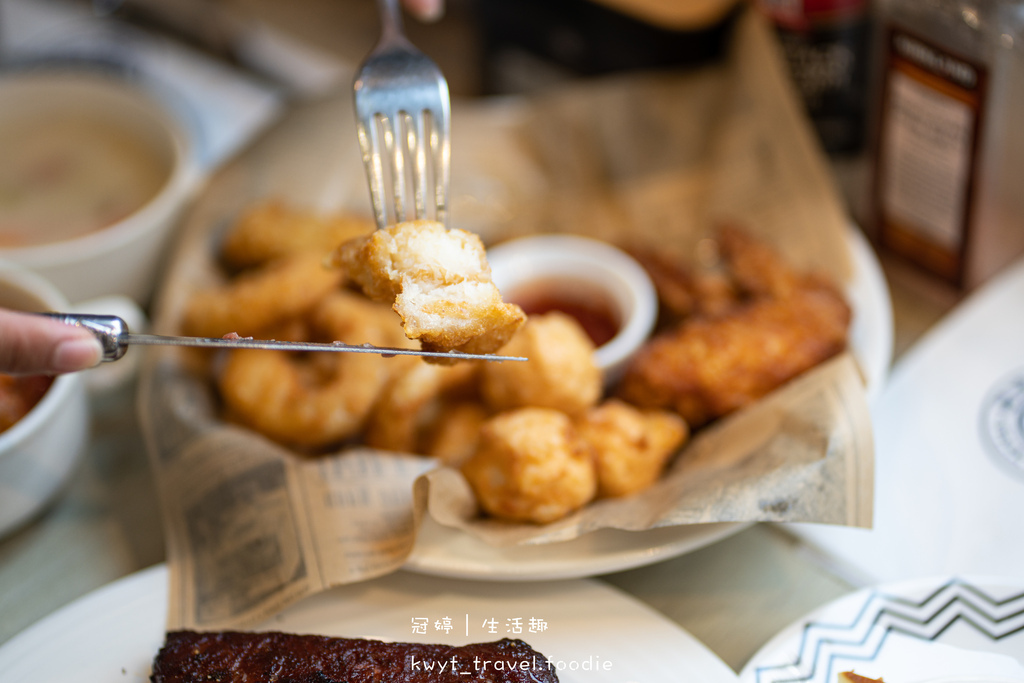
(531, 466)
(273, 229)
(559, 374)
(312, 401)
(439, 282)
(631, 446)
(258, 299)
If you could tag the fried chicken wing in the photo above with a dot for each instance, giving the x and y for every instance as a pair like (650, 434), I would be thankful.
(706, 368)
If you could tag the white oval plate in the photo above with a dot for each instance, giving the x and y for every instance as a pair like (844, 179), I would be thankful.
(933, 629)
(446, 552)
(113, 633)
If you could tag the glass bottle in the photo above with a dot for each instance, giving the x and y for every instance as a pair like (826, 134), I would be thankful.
(827, 45)
(948, 166)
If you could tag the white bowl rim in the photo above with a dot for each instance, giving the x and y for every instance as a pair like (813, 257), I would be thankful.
(128, 228)
(548, 254)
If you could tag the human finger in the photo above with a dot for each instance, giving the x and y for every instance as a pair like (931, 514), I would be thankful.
(425, 10)
(36, 345)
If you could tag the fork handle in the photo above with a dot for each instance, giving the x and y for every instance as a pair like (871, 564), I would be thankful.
(390, 19)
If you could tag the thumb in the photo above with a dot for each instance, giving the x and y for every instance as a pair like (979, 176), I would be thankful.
(32, 344)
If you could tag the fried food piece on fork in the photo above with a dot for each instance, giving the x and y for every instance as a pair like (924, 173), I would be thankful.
(439, 283)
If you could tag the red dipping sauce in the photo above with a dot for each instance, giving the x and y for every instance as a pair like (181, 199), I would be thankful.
(591, 309)
(18, 395)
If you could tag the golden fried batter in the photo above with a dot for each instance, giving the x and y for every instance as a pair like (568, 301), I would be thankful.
(260, 298)
(707, 368)
(455, 435)
(272, 229)
(313, 401)
(531, 466)
(631, 446)
(411, 401)
(683, 289)
(559, 374)
(757, 268)
(440, 284)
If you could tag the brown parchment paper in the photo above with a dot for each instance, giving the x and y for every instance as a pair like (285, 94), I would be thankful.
(661, 158)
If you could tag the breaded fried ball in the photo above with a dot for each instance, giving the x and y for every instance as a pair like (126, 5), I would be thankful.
(439, 282)
(559, 374)
(531, 466)
(631, 446)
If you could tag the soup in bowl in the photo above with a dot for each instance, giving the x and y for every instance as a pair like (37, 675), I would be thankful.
(94, 173)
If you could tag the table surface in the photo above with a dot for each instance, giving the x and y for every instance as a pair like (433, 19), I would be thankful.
(106, 525)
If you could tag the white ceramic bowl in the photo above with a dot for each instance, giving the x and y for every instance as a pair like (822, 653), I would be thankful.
(589, 268)
(39, 452)
(123, 257)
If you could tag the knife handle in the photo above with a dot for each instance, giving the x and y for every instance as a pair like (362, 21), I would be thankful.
(109, 329)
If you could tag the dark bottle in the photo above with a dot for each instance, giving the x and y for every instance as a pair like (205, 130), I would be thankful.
(827, 44)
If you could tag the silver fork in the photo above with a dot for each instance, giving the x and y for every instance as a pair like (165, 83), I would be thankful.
(402, 118)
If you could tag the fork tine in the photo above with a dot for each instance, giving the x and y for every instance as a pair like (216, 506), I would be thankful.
(440, 147)
(392, 125)
(418, 142)
(402, 103)
(369, 143)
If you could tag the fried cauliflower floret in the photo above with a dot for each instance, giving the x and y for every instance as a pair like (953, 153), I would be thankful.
(631, 446)
(439, 282)
(272, 229)
(531, 466)
(559, 374)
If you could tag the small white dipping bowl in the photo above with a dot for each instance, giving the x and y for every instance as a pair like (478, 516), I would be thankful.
(582, 268)
(123, 257)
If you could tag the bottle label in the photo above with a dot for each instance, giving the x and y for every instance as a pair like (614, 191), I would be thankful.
(932, 104)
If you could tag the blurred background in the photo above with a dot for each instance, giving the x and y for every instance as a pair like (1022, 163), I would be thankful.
(230, 67)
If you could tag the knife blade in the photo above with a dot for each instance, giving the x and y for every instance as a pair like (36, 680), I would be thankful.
(115, 337)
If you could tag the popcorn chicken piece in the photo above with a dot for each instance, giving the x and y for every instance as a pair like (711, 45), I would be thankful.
(631, 446)
(440, 284)
(559, 374)
(531, 466)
